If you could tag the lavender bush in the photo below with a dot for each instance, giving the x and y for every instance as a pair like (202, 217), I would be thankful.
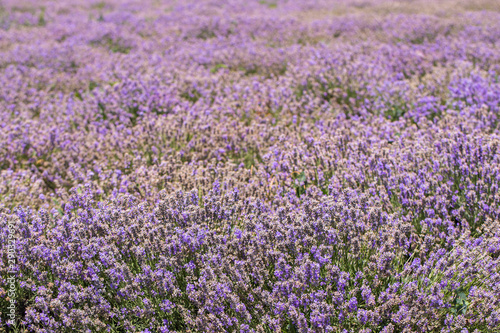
(250, 166)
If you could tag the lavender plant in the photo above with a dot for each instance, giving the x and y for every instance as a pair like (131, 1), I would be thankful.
(229, 166)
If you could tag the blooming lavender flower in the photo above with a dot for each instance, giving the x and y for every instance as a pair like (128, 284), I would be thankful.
(169, 167)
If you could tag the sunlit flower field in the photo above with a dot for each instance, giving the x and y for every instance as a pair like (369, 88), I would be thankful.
(250, 166)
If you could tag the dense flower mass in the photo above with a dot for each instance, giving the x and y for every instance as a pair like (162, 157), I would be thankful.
(250, 166)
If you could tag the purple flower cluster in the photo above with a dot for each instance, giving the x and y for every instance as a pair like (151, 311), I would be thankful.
(250, 166)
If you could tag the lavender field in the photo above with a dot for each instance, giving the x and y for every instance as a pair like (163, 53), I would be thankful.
(250, 166)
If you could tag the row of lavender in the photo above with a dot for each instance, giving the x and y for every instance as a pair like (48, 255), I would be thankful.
(250, 167)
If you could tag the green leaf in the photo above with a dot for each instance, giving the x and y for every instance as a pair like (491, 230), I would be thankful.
(78, 95)
(302, 177)
(217, 67)
(92, 85)
(459, 303)
(291, 327)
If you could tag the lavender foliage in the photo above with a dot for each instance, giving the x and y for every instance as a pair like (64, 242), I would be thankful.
(250, 166)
